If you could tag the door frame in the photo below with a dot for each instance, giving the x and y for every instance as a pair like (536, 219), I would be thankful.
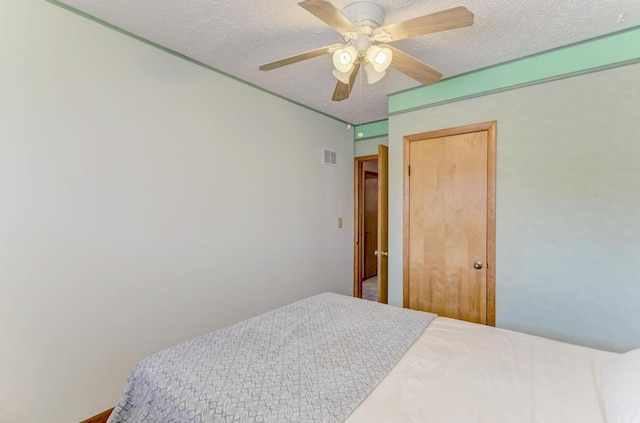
(358, 219)
(491, 128)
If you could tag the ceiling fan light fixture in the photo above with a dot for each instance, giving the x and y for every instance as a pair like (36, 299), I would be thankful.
(364, 34)
(379, 57)
(373, 76)
(345, 58)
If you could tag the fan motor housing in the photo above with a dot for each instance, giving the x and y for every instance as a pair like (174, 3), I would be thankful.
(364, 13)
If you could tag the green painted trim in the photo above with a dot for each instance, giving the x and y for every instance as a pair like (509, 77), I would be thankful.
(182, 56)
(617, 49)
(370, 130)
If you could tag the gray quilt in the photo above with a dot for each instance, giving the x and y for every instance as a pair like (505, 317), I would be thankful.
(311, 361)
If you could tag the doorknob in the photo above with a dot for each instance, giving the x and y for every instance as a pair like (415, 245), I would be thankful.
(477, 265)
(380, 253)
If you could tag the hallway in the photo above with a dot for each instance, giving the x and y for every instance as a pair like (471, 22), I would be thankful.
(370, 289)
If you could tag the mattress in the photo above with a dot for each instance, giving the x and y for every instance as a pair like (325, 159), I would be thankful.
(459, 372)
(314, 360)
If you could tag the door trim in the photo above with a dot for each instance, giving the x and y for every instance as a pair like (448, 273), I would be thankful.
(358, 219)
(491, 128)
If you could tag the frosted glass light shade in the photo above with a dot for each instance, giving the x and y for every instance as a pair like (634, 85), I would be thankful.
(345, 58)
(379, 57)
(372, 75)
(342, 76)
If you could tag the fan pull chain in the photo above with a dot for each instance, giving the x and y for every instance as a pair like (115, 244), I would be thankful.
(351, 110)
(361, 100)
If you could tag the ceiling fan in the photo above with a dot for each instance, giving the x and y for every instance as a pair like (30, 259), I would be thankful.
(365, 42)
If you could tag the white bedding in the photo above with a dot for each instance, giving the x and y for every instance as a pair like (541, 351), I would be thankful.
(459, 372)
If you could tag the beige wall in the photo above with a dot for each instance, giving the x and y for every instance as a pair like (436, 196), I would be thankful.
(568, 204)
(141, 207)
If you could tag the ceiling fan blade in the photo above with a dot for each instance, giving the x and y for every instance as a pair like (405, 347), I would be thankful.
(342, 90)
(414, 68)
(456, 17)
(328, 13)
(297, 58)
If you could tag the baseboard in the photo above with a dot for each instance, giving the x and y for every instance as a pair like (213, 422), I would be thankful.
(99, 418)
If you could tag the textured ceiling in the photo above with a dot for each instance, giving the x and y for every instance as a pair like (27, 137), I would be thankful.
(236, 36)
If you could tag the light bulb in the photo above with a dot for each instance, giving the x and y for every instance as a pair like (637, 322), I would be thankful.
(379, 57)
(345, 58)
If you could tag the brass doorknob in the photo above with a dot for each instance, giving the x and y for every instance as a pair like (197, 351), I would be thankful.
(380, 253)
(477, 265)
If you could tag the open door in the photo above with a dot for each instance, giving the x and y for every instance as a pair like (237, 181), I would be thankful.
(370, 261)
(375, 290)
(383, 223)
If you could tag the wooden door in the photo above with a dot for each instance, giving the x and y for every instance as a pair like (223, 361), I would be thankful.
(370, 224)
(383, 223)
(449, 229)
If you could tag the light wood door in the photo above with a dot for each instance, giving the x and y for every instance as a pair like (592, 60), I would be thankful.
(383, 223)
(370, 224)
(448, 234)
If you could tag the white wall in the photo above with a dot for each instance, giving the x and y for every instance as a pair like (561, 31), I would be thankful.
(568, 204)
(145, 200)
(370, 146)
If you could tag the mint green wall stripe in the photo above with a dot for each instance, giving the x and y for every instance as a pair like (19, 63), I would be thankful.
(181, 56)
(599, 53)
(369, 130)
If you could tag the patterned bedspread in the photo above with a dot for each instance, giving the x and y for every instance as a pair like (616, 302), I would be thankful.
(311, 361)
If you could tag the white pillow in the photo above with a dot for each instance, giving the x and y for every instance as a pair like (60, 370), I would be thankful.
(621, 388)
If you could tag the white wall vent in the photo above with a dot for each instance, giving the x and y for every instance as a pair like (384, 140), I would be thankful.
(329, 157)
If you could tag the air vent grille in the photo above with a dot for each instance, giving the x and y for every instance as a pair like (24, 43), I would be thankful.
(329, 157)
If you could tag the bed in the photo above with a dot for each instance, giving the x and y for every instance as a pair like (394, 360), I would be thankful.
(332, 358)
